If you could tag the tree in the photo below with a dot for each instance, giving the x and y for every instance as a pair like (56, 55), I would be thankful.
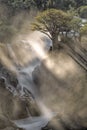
(83, 31)
(75, 25)
(57, 4)
(82, 11)
(51, 22)
(41, 4)
(67, 4)
(80, 3)
(19, 4)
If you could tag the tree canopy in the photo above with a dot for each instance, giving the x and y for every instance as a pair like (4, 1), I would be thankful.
(44, 4)
(83, 30)
(75, 24)
(19, 4)
(82, 11)
(52, 22)
(52, 19)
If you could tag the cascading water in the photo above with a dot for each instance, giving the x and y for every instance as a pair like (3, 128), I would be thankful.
(25, 79)
(54, 74)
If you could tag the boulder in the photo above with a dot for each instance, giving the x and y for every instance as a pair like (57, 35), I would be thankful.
(6, 124)
(15, 106)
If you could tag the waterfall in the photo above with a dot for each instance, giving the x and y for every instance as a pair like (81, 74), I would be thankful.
(39, 52)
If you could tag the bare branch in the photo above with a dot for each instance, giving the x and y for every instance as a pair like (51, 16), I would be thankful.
(46, 34)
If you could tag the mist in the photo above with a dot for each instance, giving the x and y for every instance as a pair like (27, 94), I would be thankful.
(55, 82)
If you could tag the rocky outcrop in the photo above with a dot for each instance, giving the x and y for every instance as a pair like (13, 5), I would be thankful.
(11, 106)
(8, 76)
(14, 106)
(64, 90)
(59, 124)
(6, 124)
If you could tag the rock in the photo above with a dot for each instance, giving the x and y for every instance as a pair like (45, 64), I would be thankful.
(8, 75)
(15, 107)
(12, 128)
(6, 124)
(57, 123)
(12, 107)
(63, 88)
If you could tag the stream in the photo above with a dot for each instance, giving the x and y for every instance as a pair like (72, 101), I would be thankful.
(26, 82)
(33, 123)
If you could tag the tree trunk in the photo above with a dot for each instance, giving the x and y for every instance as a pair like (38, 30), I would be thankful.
(80, 38)
(55, 42)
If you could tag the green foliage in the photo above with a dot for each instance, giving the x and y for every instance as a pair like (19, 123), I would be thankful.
(51, 22)
(58, 4)
(19, 4)
(67, 4)
(80, 3)
(82, 11)
(41, 4)
(44, 4)
(75, 24)
(83, 30)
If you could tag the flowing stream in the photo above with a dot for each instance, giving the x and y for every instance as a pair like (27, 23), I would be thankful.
(26, 81)
(33, 123)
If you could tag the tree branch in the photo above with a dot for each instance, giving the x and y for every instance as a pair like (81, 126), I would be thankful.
(46, 34)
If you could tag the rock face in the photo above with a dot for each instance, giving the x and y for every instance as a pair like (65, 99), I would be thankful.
(13, 107)
(9, 76)
(10, 106)
(58, 124)
(63, 88)
(6, 124)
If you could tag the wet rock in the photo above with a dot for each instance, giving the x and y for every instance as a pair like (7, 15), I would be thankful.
(6, 124)
(31, 104)
(8, 75)
(11, 106)
(15, 107)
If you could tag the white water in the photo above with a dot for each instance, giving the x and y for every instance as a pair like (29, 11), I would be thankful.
(38, 45)
(33, 123)
(26, 81)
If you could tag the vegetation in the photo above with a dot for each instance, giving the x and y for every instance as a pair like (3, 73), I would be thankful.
(83, 31)
(52, 22)
(53, 17)
(75, 25)
(44, 4)
(19, 4)
(61, 21)
(82, 11)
